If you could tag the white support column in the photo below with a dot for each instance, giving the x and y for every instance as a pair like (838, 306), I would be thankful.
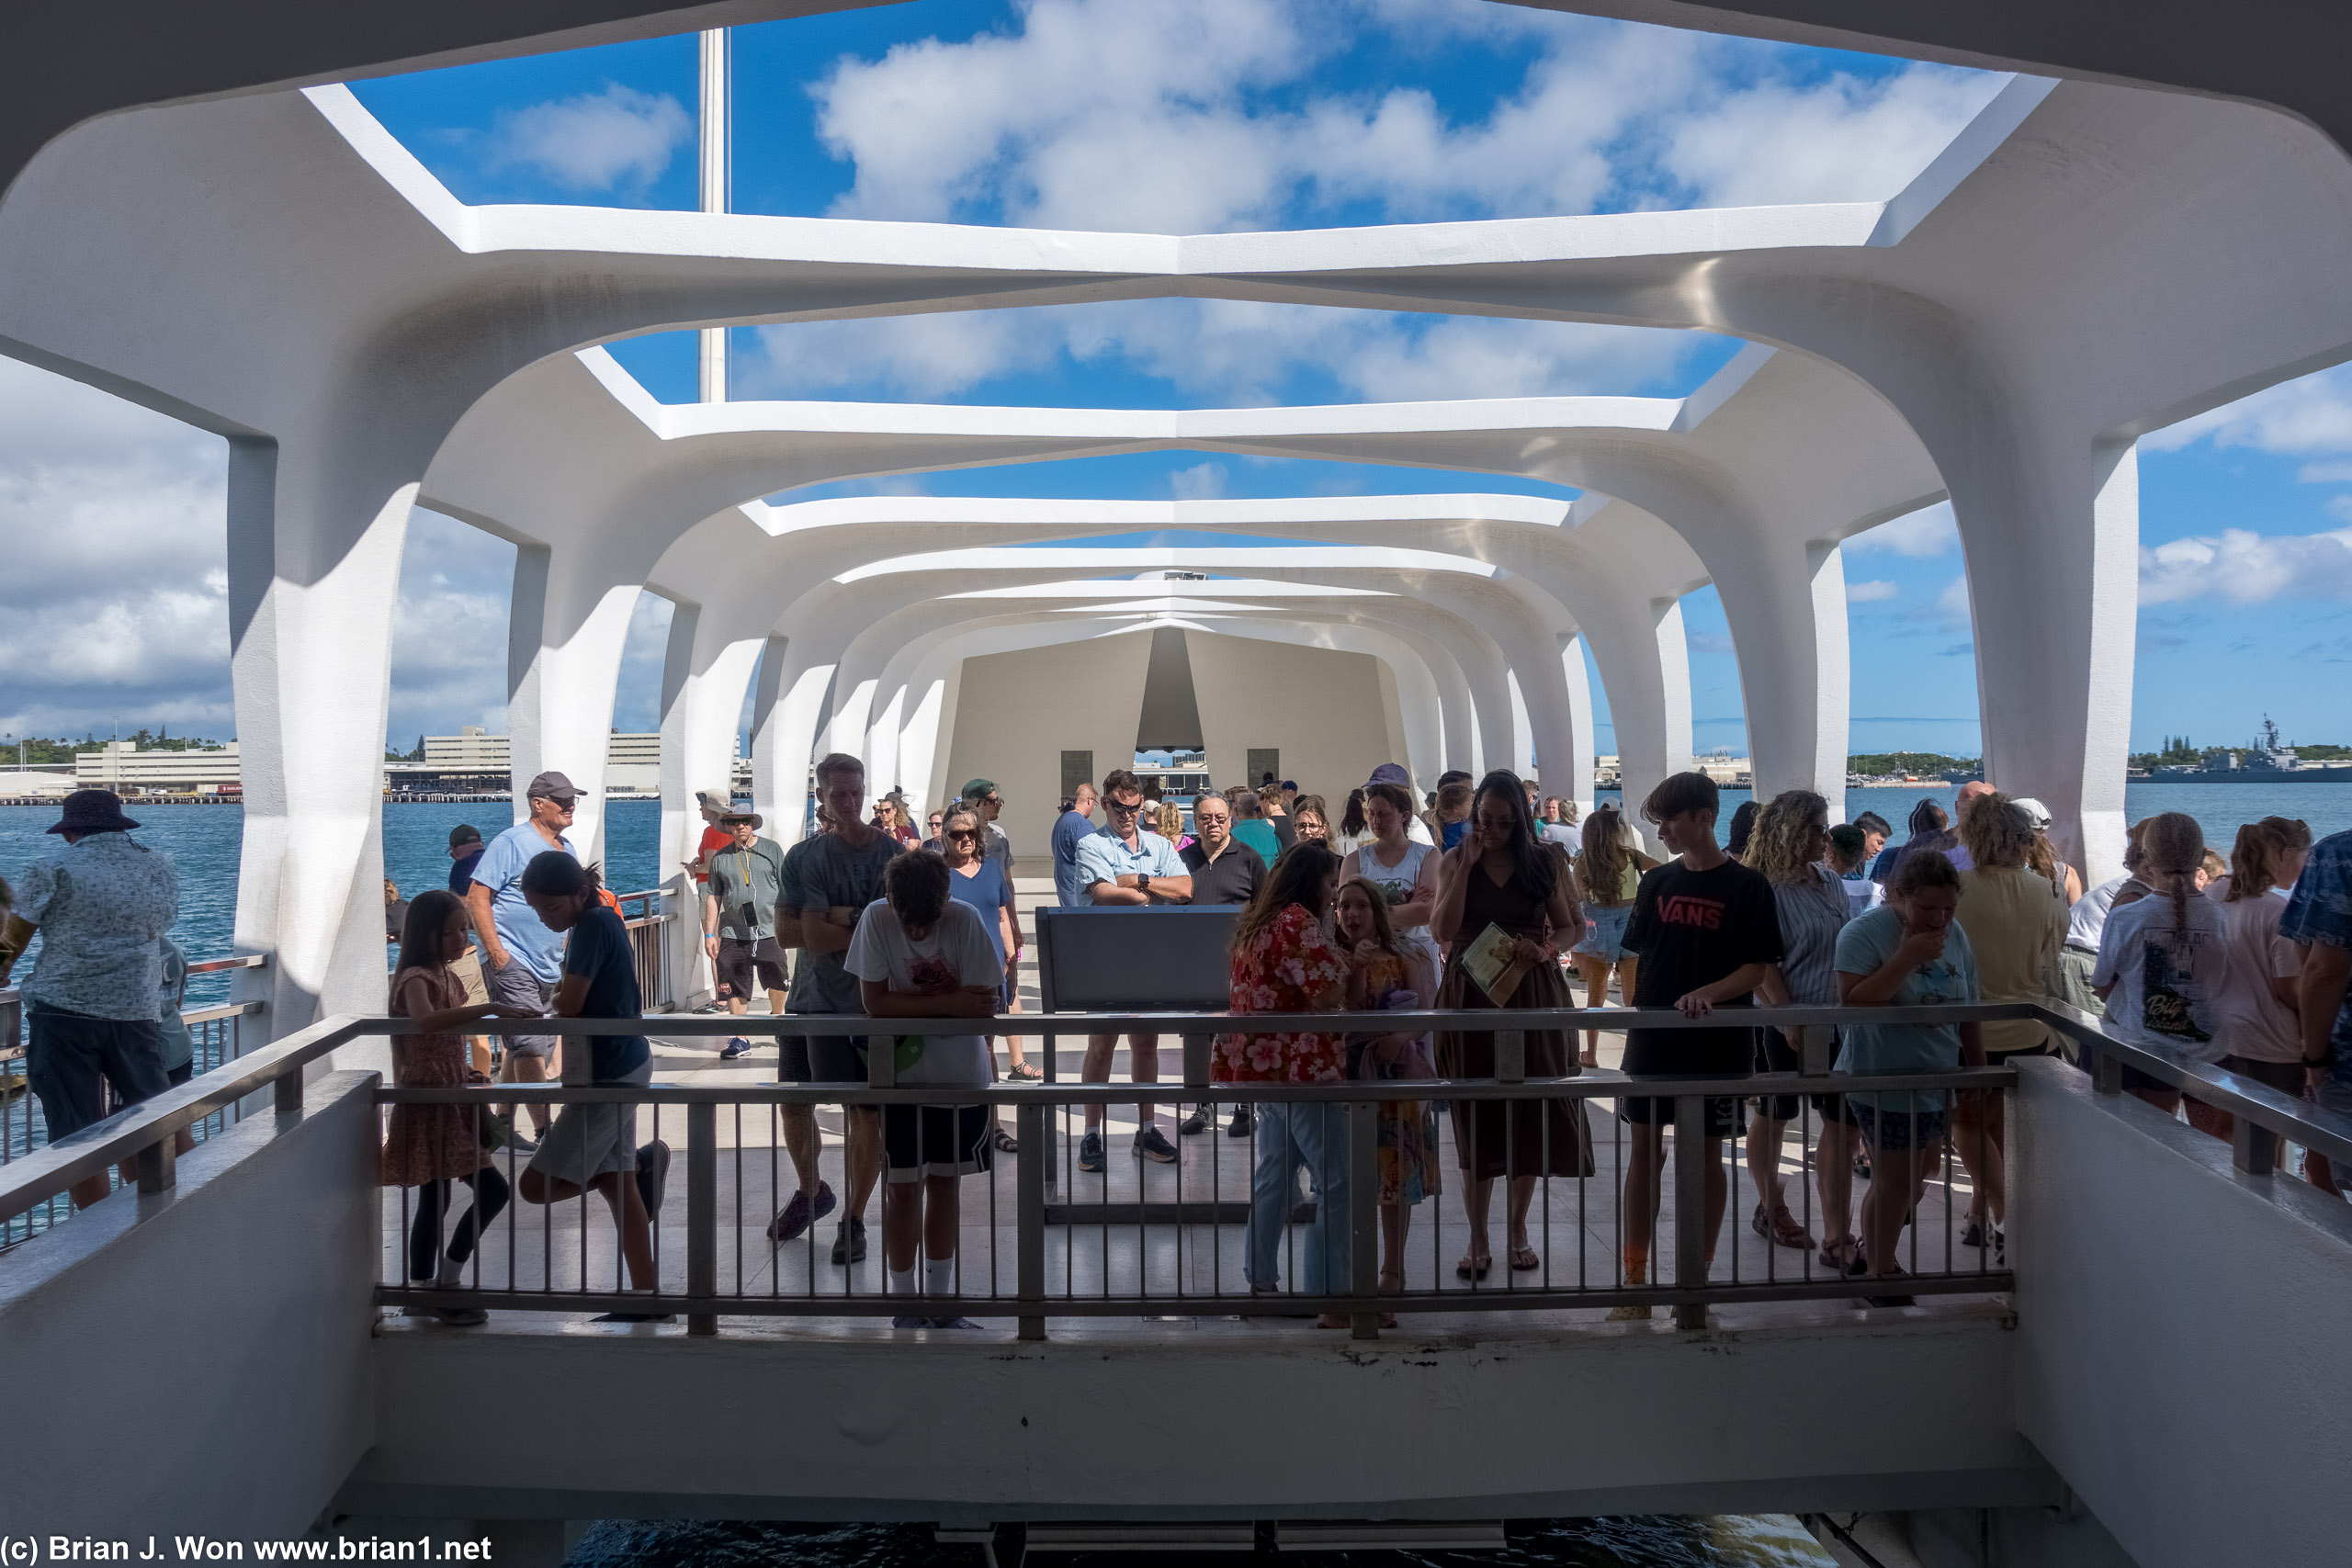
(1649, 702)
(1575, 775)
(1833, 676)
(311, 603)
(565, 638)
(2054, 643)
(776, 792)
(712, 165)
(804, 678)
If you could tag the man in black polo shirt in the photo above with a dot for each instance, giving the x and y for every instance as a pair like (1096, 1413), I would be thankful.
(1224, 871)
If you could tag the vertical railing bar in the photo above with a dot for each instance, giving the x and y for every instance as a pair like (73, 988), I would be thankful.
(1029, 1218)
(1690, 1171)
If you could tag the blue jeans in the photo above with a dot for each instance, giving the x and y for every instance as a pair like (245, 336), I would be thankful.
(1291, 1134)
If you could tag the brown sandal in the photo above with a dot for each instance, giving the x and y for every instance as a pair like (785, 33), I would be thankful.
(1782, 1229)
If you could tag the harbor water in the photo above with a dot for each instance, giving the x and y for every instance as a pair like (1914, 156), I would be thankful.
(1644, 1540)
(204, 842)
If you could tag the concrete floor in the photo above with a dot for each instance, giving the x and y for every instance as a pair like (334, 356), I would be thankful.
(1573, 1224)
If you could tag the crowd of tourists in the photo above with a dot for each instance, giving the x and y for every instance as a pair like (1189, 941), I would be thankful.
(1476, 895)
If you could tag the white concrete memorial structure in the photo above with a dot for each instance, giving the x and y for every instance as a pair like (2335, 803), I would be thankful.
(1986, 335)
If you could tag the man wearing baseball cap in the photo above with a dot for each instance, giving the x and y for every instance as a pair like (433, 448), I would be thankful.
(524, 959)
(102, 904)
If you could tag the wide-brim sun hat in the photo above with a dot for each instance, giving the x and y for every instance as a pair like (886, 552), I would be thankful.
(91, 811)
(734, 818)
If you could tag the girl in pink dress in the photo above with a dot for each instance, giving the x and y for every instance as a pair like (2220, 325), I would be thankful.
(428, 1146)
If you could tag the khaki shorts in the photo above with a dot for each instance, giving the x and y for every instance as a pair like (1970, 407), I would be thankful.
(468, 969)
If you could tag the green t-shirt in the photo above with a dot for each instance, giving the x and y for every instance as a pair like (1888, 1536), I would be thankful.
(745, 882)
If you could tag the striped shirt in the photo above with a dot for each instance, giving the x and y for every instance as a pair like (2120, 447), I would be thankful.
(1812, 914)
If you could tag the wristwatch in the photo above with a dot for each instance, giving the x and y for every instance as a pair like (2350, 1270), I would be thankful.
(1143, 880)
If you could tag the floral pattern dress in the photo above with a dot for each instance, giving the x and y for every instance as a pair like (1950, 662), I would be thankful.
(1284, 968)
(430, 1142)
(1408, 1128)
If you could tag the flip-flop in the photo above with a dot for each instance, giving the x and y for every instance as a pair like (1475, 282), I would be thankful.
(1532, 1261)
(1472, 1268)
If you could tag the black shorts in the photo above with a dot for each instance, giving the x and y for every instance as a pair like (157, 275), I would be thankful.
(73, 1058)
(1775, 1054)
(835, 1059)
(935, 1140)
(744, 963)
(1697, 1053)
(179, 1075)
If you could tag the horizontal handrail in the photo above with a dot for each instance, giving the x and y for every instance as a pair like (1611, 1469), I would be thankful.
(241, 961)
(48, 1171)
(151, 1122)
(1481, 1021)
(227, 1010)
(1596, 1083)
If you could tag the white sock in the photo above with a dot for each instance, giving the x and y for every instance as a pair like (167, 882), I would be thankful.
(939, 1276)
(451, 1273)
(902, 1281)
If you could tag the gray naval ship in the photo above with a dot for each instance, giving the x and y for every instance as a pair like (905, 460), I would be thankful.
(2271, 762)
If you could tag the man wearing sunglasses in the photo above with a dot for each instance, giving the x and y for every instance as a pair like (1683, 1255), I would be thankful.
(1126, 864)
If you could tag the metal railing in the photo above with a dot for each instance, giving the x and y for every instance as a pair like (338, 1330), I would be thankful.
(217, 1032)
(1047, 1240)
(649, 944)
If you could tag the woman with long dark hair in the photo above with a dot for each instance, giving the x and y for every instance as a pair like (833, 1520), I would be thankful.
(1501, 874)
(1284, 961)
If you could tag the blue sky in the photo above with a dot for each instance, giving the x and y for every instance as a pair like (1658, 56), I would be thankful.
(1194, 116)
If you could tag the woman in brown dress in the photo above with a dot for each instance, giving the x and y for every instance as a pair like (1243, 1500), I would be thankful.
(1502, 875)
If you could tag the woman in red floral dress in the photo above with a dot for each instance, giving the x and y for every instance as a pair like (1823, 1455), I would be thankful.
(1284, 961)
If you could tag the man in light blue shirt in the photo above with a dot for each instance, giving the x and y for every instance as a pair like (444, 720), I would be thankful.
(1073, 828)
(1125, 864)
(524, 959)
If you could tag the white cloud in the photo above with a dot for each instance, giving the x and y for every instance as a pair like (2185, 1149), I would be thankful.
(1203, 481)
(1930, 531)
(594, 141)
(2241, 567)
(1843, 139)
(1217, 351)
(1876, 592)
(1950, 612)
(114, 603)
(449, 629)
(2311, 415)
(1105, 114)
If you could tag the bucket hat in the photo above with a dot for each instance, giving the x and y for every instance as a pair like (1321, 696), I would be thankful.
(93, 811)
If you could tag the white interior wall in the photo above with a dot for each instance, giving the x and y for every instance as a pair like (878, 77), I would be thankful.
(1331, 714)
(1017, 713)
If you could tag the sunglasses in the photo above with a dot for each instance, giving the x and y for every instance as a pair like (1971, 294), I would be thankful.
(961, 833)
(1124, 808)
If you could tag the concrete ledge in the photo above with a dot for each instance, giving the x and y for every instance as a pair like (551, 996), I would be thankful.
(2180, 1353)
(593, 1422)
(195, 1362)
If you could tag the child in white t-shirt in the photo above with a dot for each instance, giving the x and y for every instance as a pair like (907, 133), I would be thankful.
(2163, 960)
(918, 954)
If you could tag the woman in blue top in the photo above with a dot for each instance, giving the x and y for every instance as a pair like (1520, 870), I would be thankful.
(973, 878)
(594, 1148)
(1906, 952)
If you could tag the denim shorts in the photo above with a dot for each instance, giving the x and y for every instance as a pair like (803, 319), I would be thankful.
(1894, 1129)
(1604, 931)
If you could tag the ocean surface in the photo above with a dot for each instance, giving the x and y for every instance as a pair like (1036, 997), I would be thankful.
(1651, 1541)
(204, 841)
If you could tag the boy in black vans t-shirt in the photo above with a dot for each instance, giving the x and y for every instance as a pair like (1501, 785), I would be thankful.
(1707, 930)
